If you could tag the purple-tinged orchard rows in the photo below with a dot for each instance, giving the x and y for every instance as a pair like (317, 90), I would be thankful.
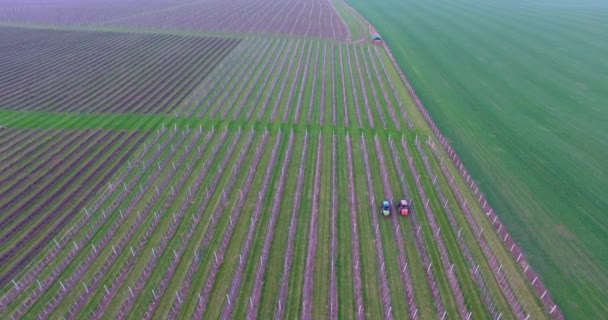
(405, 273)
(210, 83)
(371, 84)
(394, 89)
(333, 244)
(230, 92)
(103, 77)
(88, 290)
(277, 71)
(140, 97)
(66, 288)
(99, 65)
(21, 70)
(306, 311)
(343, 82)
(389, 106)
(7, 139)
(92, 231)
(127, 305)
(35, 160)
(92, 174)
(167, 91)
(256, 291)
(228, 306)
(420, 246)
(18, 169)
(172, 268)
(212, 90)
(217, 213)
(332, 75)
(353, 89)
(82, 287)
(91, 285)
(130, 88)
(385, 295)
(14, 197)
(220, 252)
(251, 82)
(281, 298)
(362, 86)
(286, 77)
(358, 286)
(296, 116)
(268, 70)
(58, 56)
(177, 218)
(56, 246)
(314, 88)
(22, 161)
(476, 274)
(232, 294)
(448, 267)
(322, 105)
(317, 19)
(14, 141)
(162, 286)
(184, 287)
(262, 81)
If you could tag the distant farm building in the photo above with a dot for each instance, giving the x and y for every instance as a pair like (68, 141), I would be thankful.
(376, 39)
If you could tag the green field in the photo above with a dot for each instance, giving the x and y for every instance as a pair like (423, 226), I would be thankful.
(520, 89)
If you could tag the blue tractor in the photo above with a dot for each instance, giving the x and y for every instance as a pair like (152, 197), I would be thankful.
(385, 208)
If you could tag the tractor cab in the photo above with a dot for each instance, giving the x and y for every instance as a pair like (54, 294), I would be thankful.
(385, 208)
(403, 207)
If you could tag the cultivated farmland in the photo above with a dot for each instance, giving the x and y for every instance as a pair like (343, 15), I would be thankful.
(103, 72)
(41, 172)
(250, 189)
(311, 18)
(519, 88)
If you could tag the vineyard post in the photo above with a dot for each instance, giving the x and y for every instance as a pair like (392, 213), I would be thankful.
(15, 283)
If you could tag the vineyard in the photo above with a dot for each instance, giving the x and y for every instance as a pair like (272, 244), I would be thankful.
(310, 18)
(39, 171)
(103, 72)
(236, 177)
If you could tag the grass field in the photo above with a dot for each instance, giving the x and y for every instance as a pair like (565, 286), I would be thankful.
(255, 194)
(520, 90)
